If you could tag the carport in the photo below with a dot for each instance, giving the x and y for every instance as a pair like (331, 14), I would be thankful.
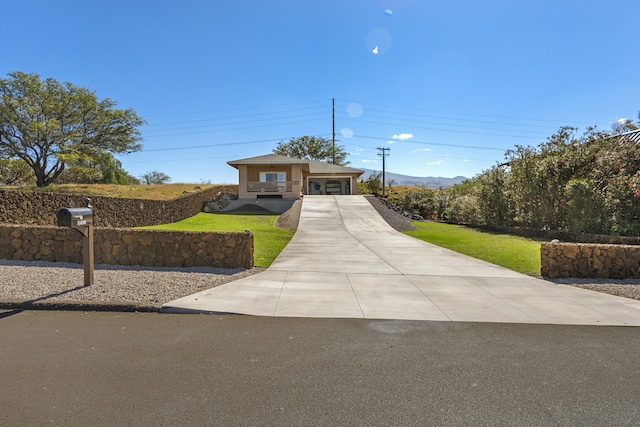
(331, 185)
(333, 180)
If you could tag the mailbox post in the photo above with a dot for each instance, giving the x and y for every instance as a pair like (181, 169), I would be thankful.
(81, 220)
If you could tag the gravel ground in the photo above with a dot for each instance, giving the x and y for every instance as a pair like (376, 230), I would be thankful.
(393, 218)
(28, 284)
(44, 283)
(628, 288)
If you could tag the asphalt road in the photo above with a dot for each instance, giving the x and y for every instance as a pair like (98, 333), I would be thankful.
(91, 368)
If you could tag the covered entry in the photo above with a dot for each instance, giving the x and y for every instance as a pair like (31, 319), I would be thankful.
(332, 185)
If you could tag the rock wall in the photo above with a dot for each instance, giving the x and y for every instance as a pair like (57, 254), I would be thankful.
(36, 208)
(590, 260)
(152, 248)
(556, 234)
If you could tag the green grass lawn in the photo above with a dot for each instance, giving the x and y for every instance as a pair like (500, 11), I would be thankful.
(268, 239)
(516, 253)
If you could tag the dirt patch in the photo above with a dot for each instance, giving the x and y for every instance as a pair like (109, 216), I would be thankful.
(290, 219)
(248, 208)
(394, 219)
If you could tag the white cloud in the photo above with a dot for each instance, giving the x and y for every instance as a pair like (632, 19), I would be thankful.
(422, 149)
(368, 161)
(346, 132)
(403, 136)
(619, 121)
(435, 163)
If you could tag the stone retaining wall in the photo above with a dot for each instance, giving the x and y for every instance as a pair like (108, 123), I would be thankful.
(590, 260)
(563, 236)
(152, 248)
(36, 208)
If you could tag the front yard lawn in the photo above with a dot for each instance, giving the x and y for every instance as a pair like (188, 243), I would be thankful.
(513, 252)
(268, 239)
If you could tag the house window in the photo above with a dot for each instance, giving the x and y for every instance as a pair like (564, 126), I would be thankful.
(272, 177)
(277, 178)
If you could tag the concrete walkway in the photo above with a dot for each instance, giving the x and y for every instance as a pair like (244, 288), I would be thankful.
(346, 262)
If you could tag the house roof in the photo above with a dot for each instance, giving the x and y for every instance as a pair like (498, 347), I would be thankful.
(268, 159)
(322, 167)
(277, 159)
(634, 135)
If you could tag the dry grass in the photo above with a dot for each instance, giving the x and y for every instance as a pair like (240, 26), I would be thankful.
(395, 191)
(149, 192)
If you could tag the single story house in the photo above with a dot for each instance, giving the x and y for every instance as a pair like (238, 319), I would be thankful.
(275, 176)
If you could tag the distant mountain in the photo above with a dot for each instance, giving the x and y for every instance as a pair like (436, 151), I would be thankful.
(427, 181)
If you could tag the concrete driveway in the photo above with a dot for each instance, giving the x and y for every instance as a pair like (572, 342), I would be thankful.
(346, 262)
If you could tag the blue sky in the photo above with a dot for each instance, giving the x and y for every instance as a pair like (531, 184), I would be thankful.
(447, 85)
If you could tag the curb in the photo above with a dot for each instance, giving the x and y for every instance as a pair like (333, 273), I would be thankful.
(79, 306)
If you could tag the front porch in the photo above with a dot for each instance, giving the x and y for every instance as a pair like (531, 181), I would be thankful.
(270, 188)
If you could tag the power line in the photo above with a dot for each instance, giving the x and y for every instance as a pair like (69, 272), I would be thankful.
(237, 123)
(236, 109)
(449, 124)
(432, 143)
(458, 119)
(241, 117)
(236, 128)
(224, 127)
(211, 145)
(320, 135)
(467, 114)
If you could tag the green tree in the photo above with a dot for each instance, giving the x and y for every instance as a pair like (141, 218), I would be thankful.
(493, 201)
(15, 172)
(420, 201)
(374, 183)
(538, 178)
(312, 148)
(155, 178)
(49, 124)
(625, 125)
(99, 168)
(589, 183)
(586, 210)
(441, 201)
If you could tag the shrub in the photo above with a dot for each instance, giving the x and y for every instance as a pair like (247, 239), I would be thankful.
(420, 201)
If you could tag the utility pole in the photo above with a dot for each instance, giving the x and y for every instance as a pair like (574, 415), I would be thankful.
(383, 155)
(333, 125)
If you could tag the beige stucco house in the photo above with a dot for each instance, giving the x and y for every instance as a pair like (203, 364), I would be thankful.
(282, 177)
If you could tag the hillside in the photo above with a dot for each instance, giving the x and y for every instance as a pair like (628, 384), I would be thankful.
(428, 181)
(149, 192)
